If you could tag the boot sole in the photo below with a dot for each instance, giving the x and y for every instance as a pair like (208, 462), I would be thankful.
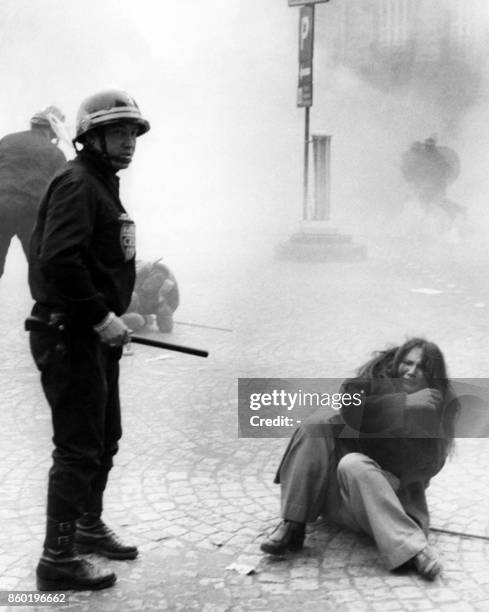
(270, 549)
(85, 549)
(66, 585)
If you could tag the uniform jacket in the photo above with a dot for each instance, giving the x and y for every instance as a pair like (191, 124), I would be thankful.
(82, 252)
(28, 161)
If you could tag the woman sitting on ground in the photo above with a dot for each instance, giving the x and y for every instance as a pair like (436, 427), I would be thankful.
(368, 466)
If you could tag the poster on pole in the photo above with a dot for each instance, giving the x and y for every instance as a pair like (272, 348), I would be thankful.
(306, 48)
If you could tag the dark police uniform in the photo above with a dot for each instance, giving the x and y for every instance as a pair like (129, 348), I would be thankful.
(81, 268)
(28, 161)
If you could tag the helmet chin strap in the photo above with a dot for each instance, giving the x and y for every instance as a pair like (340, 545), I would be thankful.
(108, 158)
(103, 144)
(100, 152)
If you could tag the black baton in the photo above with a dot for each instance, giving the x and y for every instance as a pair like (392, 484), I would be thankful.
(37, 324)
(167, 345)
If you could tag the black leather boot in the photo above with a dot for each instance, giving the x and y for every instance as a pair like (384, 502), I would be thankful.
(93, 536)
(287, 535)
(60, 569)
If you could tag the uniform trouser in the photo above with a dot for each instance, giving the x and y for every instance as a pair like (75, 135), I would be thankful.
(79, 375)
(16, 219)
(355, 493)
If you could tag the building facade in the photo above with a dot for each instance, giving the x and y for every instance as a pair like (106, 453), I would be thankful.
(391, 40)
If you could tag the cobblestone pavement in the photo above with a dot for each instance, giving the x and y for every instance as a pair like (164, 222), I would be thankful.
(195, 497)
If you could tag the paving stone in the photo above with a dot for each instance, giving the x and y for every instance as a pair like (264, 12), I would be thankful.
(353, 606)
(386, 606)
(304, 584)
(459, 606)
(419, 604)
(408, 592)
(271, 577)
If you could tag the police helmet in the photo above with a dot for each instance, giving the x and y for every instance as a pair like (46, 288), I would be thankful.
(41, 118)
(108, 107)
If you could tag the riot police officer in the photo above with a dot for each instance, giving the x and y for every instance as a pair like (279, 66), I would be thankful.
(81, 275)
(28, 161)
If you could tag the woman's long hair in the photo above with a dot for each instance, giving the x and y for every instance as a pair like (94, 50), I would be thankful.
(385, 365)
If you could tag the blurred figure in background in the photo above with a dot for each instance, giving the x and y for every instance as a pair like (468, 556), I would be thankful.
(155, 297)
(28, 161)
(429, 169)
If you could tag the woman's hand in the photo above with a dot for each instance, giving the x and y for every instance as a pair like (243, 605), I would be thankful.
(425, 398)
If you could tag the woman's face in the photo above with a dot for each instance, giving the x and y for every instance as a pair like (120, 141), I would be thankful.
(411, 371)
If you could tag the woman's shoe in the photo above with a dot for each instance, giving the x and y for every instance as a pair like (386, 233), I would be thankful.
(427, 563)
(287, 535)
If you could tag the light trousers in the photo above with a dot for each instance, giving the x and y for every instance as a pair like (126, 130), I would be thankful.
(354, 492)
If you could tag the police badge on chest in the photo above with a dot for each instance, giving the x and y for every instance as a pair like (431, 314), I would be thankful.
(127, 236)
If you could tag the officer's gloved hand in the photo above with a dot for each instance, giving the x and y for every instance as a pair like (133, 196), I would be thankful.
(113, 331)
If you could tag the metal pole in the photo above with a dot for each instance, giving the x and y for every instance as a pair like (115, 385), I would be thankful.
(306, 167)
(321, 146)
(327, 163)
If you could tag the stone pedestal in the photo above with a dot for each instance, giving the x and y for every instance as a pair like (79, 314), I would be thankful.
(320, 241)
